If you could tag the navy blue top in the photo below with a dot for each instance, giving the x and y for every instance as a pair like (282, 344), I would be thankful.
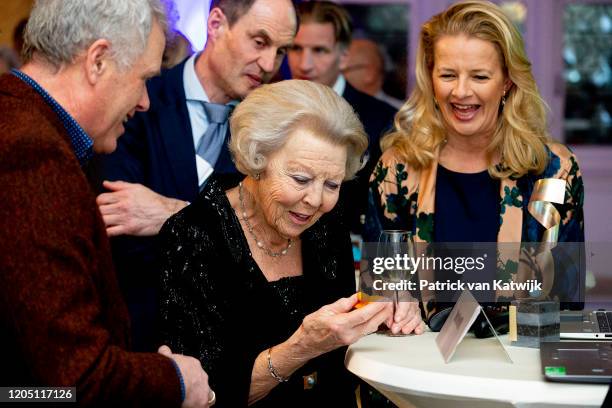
(82, 144)
(467, 207)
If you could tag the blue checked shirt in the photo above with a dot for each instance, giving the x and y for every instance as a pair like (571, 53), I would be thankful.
(82, 144)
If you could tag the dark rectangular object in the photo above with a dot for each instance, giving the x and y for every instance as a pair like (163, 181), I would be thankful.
(577, 361)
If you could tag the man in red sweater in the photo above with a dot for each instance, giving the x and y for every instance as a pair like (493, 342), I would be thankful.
(62, 318)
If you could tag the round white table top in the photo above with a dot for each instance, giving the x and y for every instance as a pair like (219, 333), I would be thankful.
(412, 369)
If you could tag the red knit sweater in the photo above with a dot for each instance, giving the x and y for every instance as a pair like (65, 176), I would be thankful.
(62, 319)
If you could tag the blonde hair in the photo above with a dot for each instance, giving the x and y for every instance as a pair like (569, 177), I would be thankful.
(520, 135)
(265, 119)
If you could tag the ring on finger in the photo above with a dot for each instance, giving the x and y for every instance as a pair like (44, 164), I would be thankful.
(212, 398)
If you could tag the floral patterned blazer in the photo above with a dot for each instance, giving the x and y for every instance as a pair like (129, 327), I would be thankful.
(403, 198)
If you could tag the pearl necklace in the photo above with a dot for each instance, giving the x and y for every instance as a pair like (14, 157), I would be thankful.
(260, 244)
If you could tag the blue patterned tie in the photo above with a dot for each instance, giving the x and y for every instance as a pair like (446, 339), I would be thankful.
(211, 143)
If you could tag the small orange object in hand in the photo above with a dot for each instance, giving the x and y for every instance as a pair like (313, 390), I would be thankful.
(363, 299)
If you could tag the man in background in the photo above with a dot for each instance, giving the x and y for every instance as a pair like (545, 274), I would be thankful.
(365, 70)
(319, 53)
(168, 153)
(62, 318)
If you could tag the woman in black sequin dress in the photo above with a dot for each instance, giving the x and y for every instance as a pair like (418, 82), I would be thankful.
(258, 281)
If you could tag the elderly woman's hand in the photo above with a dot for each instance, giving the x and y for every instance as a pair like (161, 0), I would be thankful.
(406, 319)
(337, 325)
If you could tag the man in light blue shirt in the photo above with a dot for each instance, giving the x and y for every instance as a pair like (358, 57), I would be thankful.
(195, 95)
(168, 153)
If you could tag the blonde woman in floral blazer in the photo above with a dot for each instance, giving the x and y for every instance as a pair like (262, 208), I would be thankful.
(403, 198)
(475, 107)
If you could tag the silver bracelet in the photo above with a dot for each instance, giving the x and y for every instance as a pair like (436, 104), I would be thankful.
(272, 371)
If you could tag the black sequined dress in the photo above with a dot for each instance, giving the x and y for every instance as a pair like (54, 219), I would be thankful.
(217, 304)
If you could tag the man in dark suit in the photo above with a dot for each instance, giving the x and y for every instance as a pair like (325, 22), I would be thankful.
(319, 53)
(62, 318)
(167, 153)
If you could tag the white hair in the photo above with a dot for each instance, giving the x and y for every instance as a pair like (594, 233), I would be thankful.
(262, 123)
(59, 30)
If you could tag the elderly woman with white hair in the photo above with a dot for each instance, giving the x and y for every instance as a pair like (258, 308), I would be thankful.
(259, 280)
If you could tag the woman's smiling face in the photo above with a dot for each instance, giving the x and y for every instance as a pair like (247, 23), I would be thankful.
(469, 82)
(301, 182)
